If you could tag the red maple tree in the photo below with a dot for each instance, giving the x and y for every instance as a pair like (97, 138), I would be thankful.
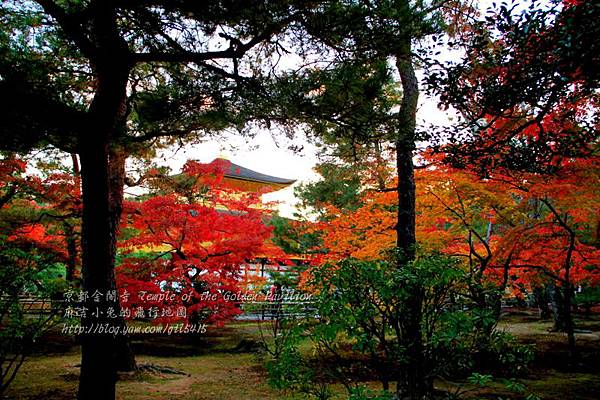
(184, 250)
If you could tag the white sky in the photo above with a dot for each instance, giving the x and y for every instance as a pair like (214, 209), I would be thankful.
(262, 154)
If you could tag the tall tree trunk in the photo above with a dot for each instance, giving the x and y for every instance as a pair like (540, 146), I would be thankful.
(567, 295)
(569, 325)
(116, 165)
(413, 382)
(405, 224)
(99, 348)
(71, 235)
(405, 146)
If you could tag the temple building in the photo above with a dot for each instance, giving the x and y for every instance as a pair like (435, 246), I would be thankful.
(248, 180)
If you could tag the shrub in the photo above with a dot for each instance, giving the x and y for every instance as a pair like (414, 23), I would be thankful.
(21, 272)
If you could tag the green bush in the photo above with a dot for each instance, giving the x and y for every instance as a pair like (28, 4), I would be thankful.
(22, 273)
(363, 308)
(507, 355)
(461, 349)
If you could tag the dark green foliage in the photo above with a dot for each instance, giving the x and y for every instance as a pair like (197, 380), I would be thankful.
(291, 237)
(340, 187)
(363, 307)
(363, 393)
(290, 372)
(288, 369)
(349, 106)
(587, 298)
(51, 61)
(507, 356)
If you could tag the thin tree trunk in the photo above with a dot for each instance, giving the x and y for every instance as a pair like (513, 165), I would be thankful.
(412, 382)
(76, 170)
(566, 281)
(405, 145)
(558, 309)
(70, 234)
(569, 325)
(568, 292)
(540, 294)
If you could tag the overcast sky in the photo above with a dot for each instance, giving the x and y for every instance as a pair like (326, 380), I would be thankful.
(269, 154)
(262, 154)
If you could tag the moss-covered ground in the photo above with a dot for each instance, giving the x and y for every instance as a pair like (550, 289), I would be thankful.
(223, 364)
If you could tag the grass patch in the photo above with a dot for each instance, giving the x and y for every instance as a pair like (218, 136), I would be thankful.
(217, 368)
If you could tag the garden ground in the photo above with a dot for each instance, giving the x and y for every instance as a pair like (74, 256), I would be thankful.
(224, 364)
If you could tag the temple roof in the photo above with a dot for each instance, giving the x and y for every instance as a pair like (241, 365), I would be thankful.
(237, 172)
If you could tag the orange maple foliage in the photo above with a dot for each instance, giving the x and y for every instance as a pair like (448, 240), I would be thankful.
(519, 221)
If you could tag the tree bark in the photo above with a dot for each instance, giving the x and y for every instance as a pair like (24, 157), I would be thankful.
(412, 380)
(116, 165)
(558, 309)
(69, 229)
(540, 294)
(107, 115)
(405, 145)
(567, 296)
(71, 267)
(567, 286)
(98, 348)
(569, 325)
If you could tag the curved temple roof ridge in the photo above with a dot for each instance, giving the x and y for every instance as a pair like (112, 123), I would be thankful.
(236, 171)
